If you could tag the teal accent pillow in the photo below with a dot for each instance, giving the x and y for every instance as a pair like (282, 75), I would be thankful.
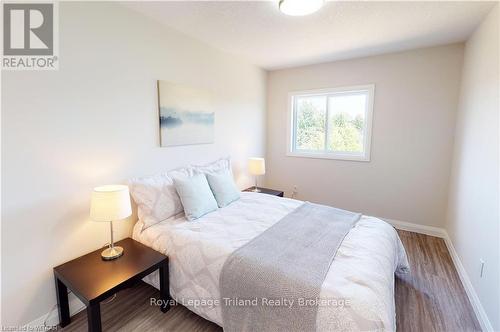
(223, 187)
(196, 196)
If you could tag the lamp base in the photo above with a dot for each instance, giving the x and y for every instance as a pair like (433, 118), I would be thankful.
(112, 253)
(256, 189)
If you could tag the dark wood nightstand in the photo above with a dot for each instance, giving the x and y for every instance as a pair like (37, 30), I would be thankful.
(267, 191)
(92, 279)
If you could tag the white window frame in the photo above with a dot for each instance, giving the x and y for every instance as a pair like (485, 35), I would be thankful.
(291, 124)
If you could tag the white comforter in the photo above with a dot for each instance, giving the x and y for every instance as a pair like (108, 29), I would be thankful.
(361, 277)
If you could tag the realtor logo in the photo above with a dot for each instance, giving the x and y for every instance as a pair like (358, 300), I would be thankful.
(28, 36)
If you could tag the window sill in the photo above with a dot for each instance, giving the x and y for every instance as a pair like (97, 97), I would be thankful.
(334, 156)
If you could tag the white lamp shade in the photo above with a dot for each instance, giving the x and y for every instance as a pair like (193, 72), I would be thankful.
(257, 166)
(110, 203)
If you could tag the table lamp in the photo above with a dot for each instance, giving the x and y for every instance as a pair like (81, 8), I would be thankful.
(256, 167)
(110, 203)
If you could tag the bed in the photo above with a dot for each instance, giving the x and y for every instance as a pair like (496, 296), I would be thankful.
(360, 278)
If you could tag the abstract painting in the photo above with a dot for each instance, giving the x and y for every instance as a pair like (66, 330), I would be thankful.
(186, 115)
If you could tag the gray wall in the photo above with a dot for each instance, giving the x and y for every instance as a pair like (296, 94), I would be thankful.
(473, 221)
(416, 95)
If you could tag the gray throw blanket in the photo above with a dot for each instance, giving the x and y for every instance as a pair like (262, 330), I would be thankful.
(264, 283)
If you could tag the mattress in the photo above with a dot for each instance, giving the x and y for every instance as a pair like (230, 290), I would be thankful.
(358, 291)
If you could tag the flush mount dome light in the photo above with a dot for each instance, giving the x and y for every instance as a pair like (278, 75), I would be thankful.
(300, 7)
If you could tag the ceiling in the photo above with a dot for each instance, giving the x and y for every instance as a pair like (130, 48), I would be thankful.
(260, 33)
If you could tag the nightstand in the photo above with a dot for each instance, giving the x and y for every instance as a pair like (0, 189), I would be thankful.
(267, 191)
(92, 279)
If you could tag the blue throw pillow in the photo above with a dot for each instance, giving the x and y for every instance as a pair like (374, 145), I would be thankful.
(223, 187)
(196, 196)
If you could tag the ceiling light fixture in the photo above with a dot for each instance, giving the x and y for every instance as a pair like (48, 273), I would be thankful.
(299, 7)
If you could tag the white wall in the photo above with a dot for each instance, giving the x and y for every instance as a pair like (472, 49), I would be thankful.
(95, 121)
(473, 216)
(416, 95)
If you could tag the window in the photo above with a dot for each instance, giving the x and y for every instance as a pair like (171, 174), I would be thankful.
(331, 123)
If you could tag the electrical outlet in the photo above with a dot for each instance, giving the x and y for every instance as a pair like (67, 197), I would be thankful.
(481, 272)
(295, 191)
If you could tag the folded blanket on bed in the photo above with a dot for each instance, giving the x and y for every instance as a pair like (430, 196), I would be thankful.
(268, 284)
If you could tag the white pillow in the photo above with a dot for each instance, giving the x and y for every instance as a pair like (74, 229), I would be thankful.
(196, 196)
(156, 197)
(221, 165)
(224, 188)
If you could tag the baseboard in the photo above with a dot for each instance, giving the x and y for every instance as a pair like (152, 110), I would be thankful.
(422, 229)
(462, 273)
(481, 315)
(75, 306)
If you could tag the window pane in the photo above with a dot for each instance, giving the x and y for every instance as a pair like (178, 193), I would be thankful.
(346, 122)
(310, 123)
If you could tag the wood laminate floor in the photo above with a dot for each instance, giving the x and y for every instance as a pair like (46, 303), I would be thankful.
(430, 298)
